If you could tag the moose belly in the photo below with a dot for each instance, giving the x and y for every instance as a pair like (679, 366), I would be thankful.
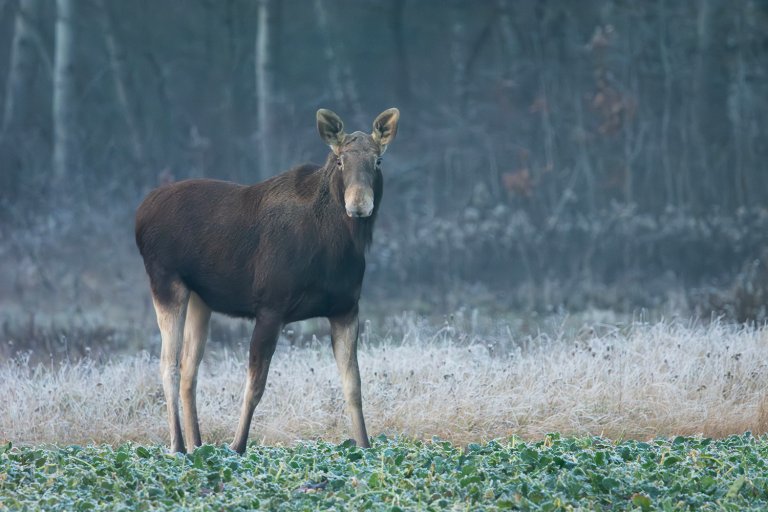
(315, 303)
(240, 300)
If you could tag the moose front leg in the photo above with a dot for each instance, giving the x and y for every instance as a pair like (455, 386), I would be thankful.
(263, 343)
(344, 331)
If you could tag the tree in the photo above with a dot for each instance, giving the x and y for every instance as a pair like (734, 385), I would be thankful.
(120, 80)
(402, 71)
(265, 79)
(342, 81)
(710, 89)
(22, 66)
(63, 92)
(459, 56)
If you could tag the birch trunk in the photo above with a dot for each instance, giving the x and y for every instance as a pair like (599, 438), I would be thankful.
(22, 67)
(264, 88)
(63, 92)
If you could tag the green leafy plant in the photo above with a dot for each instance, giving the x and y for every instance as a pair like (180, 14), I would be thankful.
(555, 473)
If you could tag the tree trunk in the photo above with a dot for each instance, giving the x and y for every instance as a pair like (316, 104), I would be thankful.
(342, 80)
(22, 67)
(402, 72)
(711, 96)
(120, 80)
(334, 70)
(63, 92)
(459, 57)
(265, 101)
(505, 24)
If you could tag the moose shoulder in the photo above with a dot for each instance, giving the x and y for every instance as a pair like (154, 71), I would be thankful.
(290, 248)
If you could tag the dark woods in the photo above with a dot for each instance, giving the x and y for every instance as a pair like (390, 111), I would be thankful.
(544, 103)
(591, 143)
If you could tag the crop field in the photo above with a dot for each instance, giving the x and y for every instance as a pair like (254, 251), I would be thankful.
(396, 474)
(648, 416)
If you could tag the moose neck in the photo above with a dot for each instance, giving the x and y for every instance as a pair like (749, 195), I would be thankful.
(360, 229)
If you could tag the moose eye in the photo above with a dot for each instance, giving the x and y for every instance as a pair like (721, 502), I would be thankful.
(378, 161)
(338, 162)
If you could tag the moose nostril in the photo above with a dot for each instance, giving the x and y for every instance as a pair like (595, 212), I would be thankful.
(358, 212)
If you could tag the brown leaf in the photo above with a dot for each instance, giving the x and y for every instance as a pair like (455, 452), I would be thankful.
(519, 182)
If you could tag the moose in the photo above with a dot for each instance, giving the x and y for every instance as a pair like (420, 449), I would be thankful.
(287, 249)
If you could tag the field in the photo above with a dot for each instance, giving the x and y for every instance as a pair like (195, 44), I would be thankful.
(396, 474)
(637, 381)
(459, 421)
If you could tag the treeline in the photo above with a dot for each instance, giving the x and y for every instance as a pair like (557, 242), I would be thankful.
(616, 149)
(548, 104)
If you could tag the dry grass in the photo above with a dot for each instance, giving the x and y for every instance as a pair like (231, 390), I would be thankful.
(637, 381)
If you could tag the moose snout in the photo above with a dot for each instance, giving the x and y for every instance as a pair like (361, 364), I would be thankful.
(358, 201)
(360, 211)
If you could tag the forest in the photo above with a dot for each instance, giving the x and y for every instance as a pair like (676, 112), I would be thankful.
(552, 156)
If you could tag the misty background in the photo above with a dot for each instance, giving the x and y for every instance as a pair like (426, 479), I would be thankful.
(553, 157)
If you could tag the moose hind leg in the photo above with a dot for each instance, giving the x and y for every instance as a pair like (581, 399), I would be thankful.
(263, 342)
(344, 331)
(195, 336)
(171, 312)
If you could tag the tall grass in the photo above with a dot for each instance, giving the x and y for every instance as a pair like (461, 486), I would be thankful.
(636, 381)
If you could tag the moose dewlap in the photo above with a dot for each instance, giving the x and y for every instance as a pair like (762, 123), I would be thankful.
(287, 249)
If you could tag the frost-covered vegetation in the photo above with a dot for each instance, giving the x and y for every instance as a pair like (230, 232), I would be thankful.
(638, 381)
(720, 260)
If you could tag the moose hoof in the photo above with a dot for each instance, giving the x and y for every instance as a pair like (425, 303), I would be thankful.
(237, 449)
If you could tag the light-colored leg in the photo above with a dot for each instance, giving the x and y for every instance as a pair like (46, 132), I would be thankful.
(170, 319)
(344, 331)
(195, 336)
(263, 342)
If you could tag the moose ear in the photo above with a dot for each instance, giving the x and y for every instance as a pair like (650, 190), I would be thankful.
(385, 127)
(331, 128)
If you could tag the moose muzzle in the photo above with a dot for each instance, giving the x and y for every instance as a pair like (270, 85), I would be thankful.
(358, 201)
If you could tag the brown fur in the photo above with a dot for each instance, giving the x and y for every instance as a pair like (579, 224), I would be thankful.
(286, 244)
